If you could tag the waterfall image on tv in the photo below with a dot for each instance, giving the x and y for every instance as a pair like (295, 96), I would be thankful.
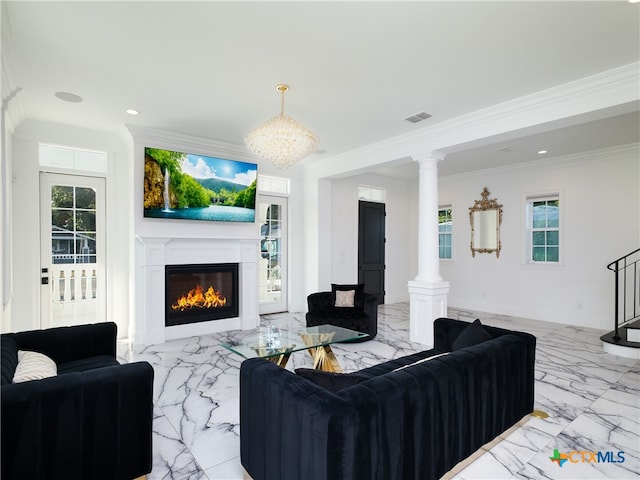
(196, 187)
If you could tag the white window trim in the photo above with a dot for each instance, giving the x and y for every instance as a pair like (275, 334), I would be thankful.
(365, 193)
(266, 179)
(453, 250)
(525, 229)
(73, 170)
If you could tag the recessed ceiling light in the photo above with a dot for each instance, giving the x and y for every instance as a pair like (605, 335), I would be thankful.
(68, 97)
(132, 111)
(541, 152)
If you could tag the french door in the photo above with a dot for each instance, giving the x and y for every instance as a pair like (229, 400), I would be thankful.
(72, 251)
(272, 265)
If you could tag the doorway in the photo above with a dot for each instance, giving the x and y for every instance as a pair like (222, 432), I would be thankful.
(272, 265)
(72, 250)
(371, 247)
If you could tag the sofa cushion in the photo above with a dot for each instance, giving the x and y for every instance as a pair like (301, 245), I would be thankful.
(472, 335)
(334, 382)
(87, 364)
(9, 351)
(358, 299)
(33, 366)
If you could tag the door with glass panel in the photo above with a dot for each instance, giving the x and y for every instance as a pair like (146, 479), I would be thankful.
(272, 264)
(72, 229)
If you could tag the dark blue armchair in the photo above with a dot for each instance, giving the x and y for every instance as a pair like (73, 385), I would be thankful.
(362, 316)
(92, 420)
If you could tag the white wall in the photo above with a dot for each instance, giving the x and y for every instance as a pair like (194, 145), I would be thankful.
(400, 219)
(600, 222)
(601, 211)
(6, 189)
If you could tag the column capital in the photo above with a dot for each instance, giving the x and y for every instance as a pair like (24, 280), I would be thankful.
(431, 156)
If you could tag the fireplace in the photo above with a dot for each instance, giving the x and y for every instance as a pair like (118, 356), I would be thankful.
(200, 293)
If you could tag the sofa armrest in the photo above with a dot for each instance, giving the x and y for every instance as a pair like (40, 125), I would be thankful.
(66, 344)
(445, 331)
(92, 424)
(292, 429)
(370, 306)
(319, 301)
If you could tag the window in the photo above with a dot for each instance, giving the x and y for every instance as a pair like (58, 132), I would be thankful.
(67, 158)
(277, 185)
(543, 225)
(73, 224)
(444, 232)
(371, 194)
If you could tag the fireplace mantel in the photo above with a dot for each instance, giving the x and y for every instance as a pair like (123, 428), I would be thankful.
(153, 253)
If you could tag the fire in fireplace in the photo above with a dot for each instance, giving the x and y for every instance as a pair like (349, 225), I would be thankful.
(199, 293)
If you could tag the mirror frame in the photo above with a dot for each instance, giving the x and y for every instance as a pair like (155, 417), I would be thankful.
(478, 229)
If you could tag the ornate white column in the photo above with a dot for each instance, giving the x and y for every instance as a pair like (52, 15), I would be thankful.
(428, 291)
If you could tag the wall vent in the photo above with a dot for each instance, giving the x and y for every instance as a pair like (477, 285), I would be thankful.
(418, 117)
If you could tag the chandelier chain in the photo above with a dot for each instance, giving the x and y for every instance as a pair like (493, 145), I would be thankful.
(282, 88)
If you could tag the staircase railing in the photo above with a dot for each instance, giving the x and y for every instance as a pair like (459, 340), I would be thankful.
(627, 289)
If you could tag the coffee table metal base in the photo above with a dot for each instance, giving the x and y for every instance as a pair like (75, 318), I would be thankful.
(280, 360)
(323, 359)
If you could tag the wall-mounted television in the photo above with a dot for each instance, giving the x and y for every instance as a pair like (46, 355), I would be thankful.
(196, 187)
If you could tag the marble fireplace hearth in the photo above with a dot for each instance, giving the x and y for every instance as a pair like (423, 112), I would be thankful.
(154, 253)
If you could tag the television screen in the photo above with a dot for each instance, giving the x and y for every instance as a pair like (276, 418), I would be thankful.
(196, 187)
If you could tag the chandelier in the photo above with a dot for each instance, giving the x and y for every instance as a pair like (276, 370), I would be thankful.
(281, 140)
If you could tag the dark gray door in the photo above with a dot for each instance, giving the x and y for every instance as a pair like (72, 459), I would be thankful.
(371, 241)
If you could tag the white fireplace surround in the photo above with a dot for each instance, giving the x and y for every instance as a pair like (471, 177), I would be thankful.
(153, 253)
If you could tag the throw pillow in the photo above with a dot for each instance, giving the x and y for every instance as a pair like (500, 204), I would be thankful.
(334, 382)
(421, 361)
(34, 366)
(345, 298)
(472, 335)
(358, 299)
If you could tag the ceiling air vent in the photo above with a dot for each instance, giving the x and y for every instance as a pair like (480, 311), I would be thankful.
(418, 117)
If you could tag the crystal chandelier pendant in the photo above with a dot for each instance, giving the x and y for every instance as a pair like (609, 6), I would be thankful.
(282, 140)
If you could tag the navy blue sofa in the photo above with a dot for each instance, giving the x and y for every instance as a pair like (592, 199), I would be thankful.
(93, 420)
(410, 424)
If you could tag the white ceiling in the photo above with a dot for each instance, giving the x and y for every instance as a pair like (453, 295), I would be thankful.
(356, 69)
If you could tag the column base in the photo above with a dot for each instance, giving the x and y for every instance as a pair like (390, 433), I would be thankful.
(427, 301)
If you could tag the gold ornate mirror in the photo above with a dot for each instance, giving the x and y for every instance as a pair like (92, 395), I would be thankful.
(485, 217)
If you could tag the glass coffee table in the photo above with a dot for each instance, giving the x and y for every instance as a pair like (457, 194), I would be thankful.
(277, 345)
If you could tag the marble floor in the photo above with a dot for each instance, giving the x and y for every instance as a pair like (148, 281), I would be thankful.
(592, 398)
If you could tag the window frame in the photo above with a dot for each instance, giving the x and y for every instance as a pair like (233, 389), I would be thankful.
(449, 233)
(272, 185)
(369, 193)
(529, 229)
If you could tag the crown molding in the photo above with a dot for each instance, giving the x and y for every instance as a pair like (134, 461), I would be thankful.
(168, 140)
(611, 88)
(11, 103)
